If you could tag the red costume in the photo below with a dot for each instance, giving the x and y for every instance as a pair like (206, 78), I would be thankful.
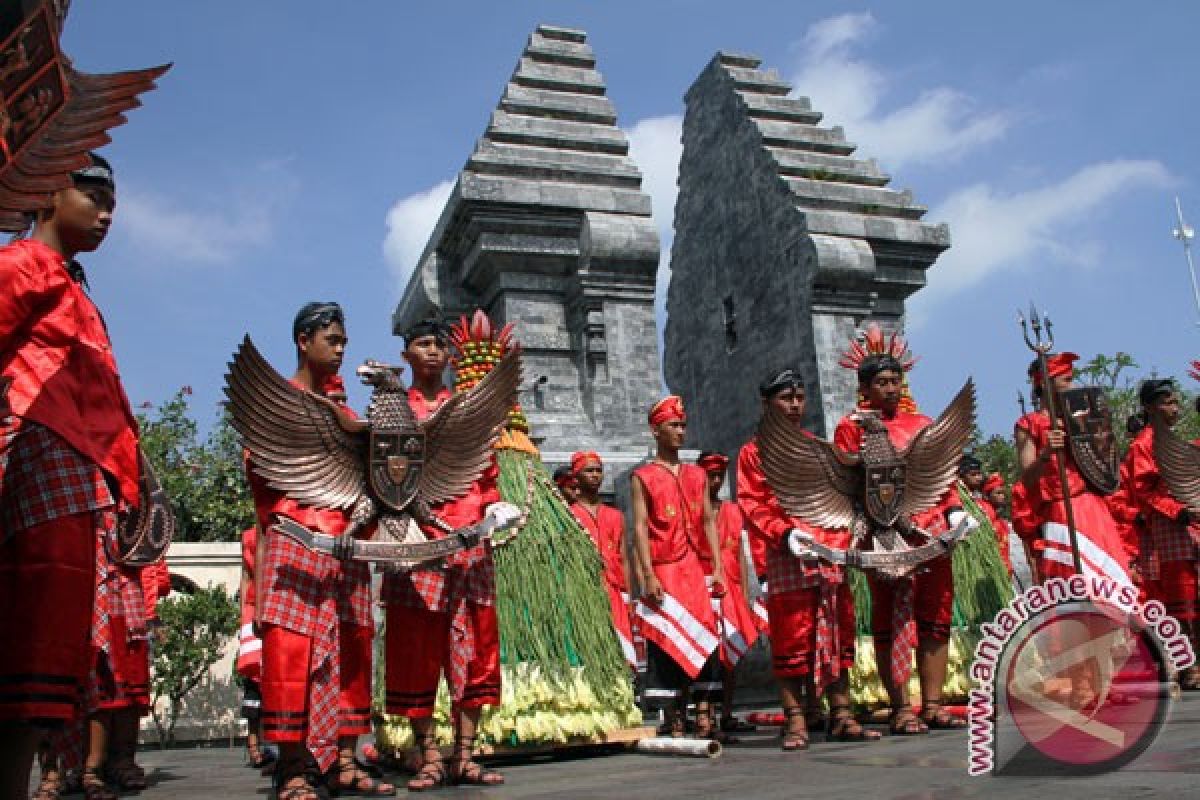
(316, 632)
(1101, 548)
(249, 654)
(606, 526)
(921, 605)
(1169, 549)
(999, 524)
(70, 433)
(443, 618)
(810, 608)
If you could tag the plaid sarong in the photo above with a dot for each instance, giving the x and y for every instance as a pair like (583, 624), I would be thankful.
(43, 478)
(1166, 540)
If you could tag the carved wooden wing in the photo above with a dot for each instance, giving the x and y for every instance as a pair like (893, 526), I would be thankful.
(932, 457)
(460, 437)
(1179, 465)
(812, 479)
(295, 442)
(51, 115)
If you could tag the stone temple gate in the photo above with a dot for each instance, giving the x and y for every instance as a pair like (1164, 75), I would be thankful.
(785, 244)
(548, 227)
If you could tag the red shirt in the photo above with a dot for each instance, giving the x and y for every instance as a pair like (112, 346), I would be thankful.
(730, 524)
(607, 529)
(1146, 488)
(249, 554)
(674, 509)
(56, 351)
(1037, 425)
(156, 583)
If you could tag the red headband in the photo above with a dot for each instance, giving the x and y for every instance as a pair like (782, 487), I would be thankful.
(993, 482)
(713, 462)
(1057, 365)
(666, 410)
(564, 479)
(581, 459)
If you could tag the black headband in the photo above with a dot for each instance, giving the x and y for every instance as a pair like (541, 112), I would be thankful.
(99, 171)
(777, 382)
(874, 364)
(314, 316)
(1154, 388)
(969, 464)
(430, 326)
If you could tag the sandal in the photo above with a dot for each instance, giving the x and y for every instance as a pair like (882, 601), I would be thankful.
(258, 756)
(468, 772)
(353, 779)
(126, 775)
(432, 772)
(843, 727)
(94, 787)
(793, 739)
(937, 718)
(903, 722)
(297, 780)
(674, 726)
(731, 724)
(50, 787)
(815, 718)
(706, 729)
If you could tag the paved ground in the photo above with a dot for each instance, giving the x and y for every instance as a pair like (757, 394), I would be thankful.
(927, 768)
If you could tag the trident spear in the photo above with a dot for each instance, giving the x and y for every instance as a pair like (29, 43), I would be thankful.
(1042, 345)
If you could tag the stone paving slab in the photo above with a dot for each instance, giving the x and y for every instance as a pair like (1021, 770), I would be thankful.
(919, 768)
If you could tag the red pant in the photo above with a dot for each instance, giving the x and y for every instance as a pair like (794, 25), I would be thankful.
(1176, 589)
(286, 665)
(47, 586)
(933, 602)
(418, 649)
(793, 620)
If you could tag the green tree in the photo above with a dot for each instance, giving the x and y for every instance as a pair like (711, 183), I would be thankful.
(203, 477)
(195, 629)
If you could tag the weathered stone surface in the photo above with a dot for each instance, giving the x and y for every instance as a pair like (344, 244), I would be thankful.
(548, 227)
(785, 244)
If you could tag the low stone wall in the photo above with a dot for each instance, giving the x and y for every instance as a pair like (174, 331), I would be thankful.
(211, 711)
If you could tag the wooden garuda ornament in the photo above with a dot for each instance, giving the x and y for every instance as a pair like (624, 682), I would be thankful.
(51, 115)
(874, 493)
(388, 468)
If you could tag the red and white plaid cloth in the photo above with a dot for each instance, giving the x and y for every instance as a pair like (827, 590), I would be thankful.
(313, 594)
(1166, 540)
(467, 577)
(786, 573)
(43, 478)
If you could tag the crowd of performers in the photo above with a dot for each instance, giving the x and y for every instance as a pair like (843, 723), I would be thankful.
(73, 685)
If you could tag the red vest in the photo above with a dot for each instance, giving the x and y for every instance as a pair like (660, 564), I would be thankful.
(607, 529)
(674, 509)
(54, 347)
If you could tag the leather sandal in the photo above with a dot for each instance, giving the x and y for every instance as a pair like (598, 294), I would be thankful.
(297, 780)
(468, 772)
(50, 787)
(937, 718)
(793, 739)
(126, 775)
(349, 777)
(431, 774)
(94, 787)
(903, 722)
(843, 727)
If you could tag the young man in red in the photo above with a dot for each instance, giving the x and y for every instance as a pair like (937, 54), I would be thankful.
(810, 606)
(68, 464)
(606, 526)
(1169, 557)
(314, 614)
(995, 495)
(671, 513)
(567, 484)
(736, 622)
(914, 611)
(249, 655)
(1102, 549)
(442, 618)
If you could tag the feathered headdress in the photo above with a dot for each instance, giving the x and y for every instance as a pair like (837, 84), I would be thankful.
(874, 342)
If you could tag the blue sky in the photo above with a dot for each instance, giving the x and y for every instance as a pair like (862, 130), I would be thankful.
(299, 150)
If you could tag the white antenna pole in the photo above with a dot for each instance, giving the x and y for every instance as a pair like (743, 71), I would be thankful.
(1185, 233)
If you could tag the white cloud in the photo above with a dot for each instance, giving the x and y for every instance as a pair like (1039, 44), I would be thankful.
(243, 217)
(655, 145)
(994, 231)
(409, 224)
(940, 124)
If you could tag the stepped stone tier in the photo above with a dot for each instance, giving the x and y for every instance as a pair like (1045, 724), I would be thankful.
(548, 227)
(785, 244)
